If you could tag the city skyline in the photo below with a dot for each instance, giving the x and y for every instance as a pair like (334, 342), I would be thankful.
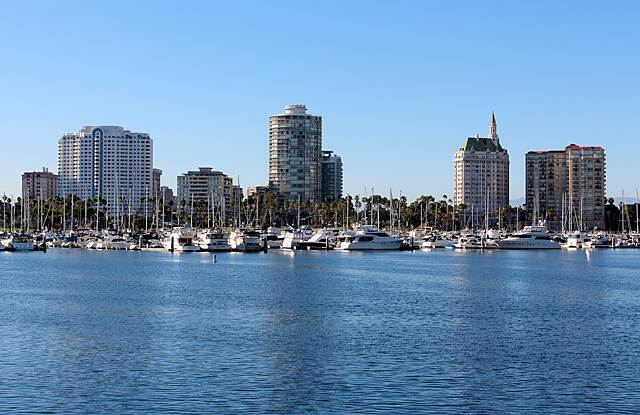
(403, 95)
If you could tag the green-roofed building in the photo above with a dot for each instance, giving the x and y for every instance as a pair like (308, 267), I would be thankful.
(481, 176)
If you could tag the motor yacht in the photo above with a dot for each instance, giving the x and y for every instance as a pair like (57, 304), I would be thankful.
(368, 238)
(245, 240)
(435, 241)
(531, 237)
(272, 238)
(116, 242)
(469, 241)
(213, 241)
(294, 236)
(18, 243)
(181, 240)
(576, 240)
(601, 240)
(321, 240)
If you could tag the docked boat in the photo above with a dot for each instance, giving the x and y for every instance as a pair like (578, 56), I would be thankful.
(601, 240)
(321, 240)
(576, 240)
(272, 238)
(435, 241)
(181, 239)
(245, 240)
(368, 238)
(18, 243)
(469, 242)
(117, 242)
(213, 241)
(294, 236)
(531, 237)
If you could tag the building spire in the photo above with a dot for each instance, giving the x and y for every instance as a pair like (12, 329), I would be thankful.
(493, 128)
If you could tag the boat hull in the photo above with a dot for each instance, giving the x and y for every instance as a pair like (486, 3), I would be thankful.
(506, 244)
(368, 246)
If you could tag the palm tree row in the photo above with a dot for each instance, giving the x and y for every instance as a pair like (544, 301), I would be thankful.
(72, 212)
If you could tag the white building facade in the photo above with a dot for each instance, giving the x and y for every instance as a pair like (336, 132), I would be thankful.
(108, 162)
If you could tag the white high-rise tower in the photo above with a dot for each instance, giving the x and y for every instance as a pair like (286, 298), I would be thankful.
(108, 162)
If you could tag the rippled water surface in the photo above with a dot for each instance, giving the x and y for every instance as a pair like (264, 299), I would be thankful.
(328, 332)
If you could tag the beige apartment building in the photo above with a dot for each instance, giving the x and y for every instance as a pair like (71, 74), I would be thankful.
(481, 176)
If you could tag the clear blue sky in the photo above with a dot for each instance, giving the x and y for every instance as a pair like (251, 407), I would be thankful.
(399, 85)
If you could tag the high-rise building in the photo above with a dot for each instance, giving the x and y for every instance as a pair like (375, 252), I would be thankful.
(107, 162)
(481, 174)
(205, 184)
(295, 152)
(157, 174)
(39, 184)
(567, 184)
(331, 169)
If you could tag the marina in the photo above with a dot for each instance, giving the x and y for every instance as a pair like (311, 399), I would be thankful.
(360, 237)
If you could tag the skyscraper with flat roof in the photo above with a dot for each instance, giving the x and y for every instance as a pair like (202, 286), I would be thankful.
(331, 175)
(108, 162)
(567, 185)
(39, 184)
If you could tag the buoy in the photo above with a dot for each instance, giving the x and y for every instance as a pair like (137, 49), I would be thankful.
(215, 259)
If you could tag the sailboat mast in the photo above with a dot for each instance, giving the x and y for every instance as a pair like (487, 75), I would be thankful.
(622, 210)
(637, 217)
(191, 222)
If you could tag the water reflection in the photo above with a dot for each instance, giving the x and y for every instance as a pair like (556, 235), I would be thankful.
(332, 332)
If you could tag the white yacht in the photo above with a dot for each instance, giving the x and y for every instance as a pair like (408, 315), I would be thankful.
(601, 240)
(116, 242)
(213, 241)
(435, 241)
(18, 243)
(368, 238)
(470, 241)
(245, 240)
(577, 240)
(531, 237)
(321, 240)
(294, 236)
(181, 240)
(273, 238)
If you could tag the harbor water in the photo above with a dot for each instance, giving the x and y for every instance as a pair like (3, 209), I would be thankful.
(327, 332)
